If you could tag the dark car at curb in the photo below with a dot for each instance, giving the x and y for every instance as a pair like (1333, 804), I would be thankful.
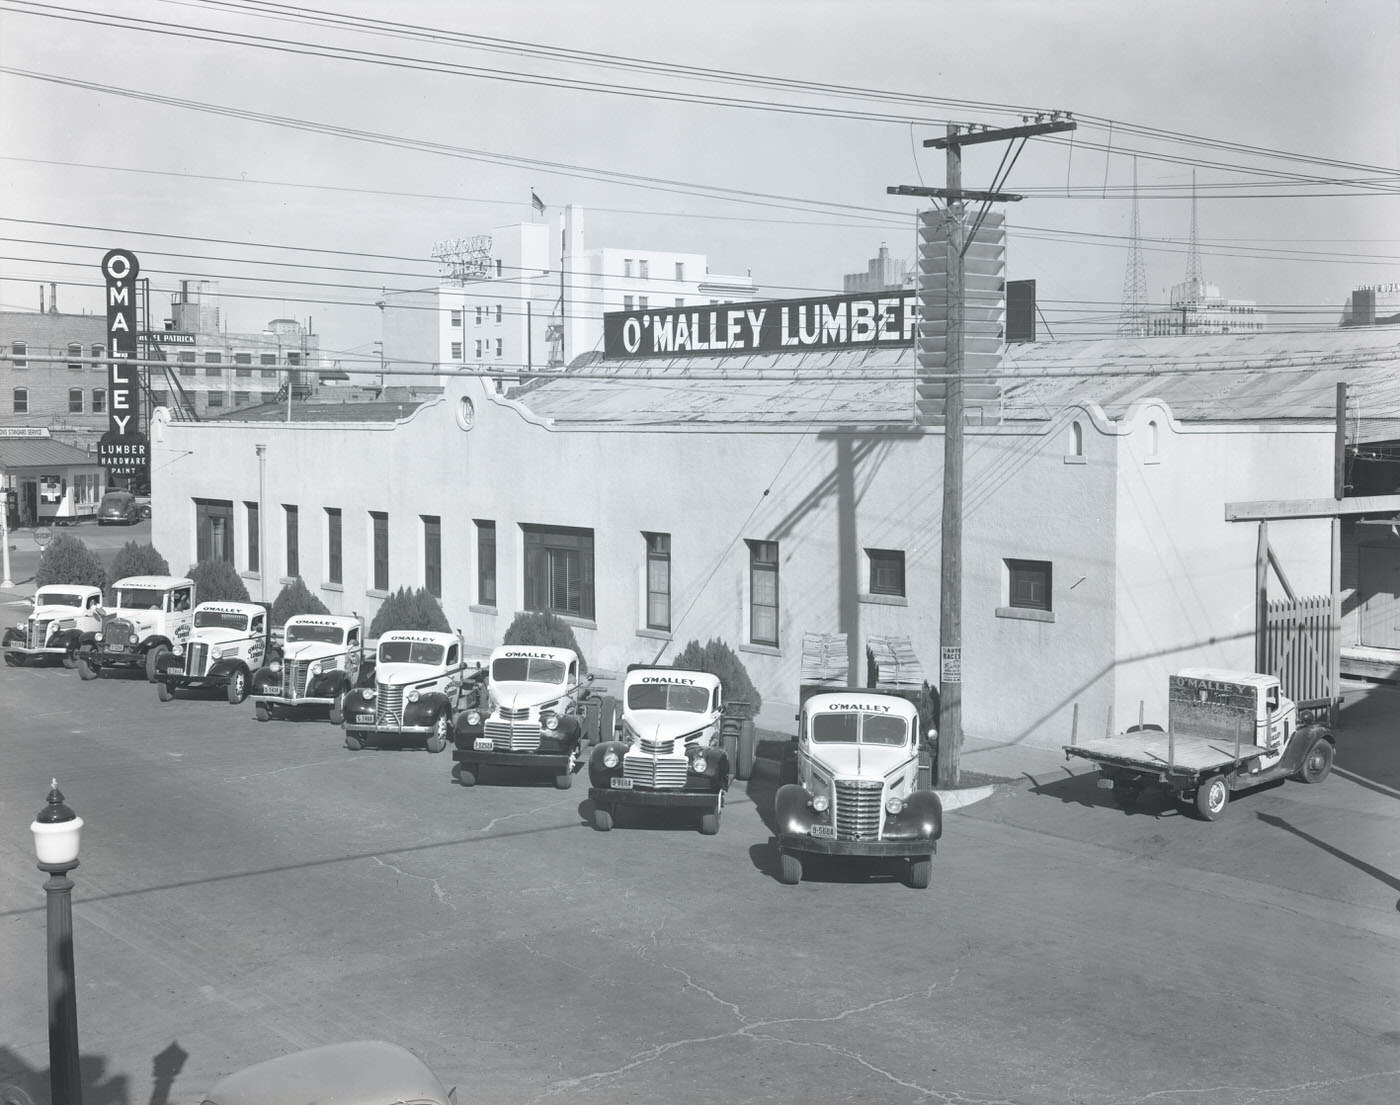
(119, 508)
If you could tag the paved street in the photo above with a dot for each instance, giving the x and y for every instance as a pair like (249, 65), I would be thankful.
(250, 889)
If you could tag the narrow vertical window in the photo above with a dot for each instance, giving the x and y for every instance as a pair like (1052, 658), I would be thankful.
(763, 592)
(658, 580)
(99, 400)
(293, 542)
(886, 572)
(379, 524)
(485, 562)
(432, 554)
(333, 562)
(75, 349)
(252, 517)
(75, 400)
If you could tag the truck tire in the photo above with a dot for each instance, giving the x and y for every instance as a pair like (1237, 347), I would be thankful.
(1126, 793)
(354, 740)
(262, 711)
(86, 668)
(14, 659)
(1212, 796)
(165, 690)
(789, 868)
(748, 750)
(70, 659)
(729, 745)
(1317, 764)
(337, 714)
(602, 818)
(607, 724)
(442, 732)
(238, 686)
(920, 872)
(153, 656)
(709, 823)
(465, 774)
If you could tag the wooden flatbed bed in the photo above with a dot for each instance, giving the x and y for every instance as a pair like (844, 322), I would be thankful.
(1154, 752)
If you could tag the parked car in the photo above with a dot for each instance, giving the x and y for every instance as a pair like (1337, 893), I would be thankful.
(118, 508)
(364, 1072)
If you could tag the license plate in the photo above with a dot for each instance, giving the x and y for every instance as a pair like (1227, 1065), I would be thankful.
(827, 831)
(483, 744)
(1104, 784)
(364, 719)
(621, 782)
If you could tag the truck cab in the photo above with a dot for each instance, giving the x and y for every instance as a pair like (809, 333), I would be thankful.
(227, 642)
(151, 614)
(538, 711)
(421, 682)
(667, 750)
(322, 658)
(62, 613)
(858, 791)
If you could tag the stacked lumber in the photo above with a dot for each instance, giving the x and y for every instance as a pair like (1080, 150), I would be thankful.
(895, 662)
(824, 659)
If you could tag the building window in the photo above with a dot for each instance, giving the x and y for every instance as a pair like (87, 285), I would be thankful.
(500, 346)
(17, 350)
(432, 554)
(680, 301)
(379, 527)
(333, 572)
(642, 268)
(1076, 439)
(559, 570)
(1028, 585)
(294, 359)
(240, 398)
(243, 364)
(457, 318)
(75, 400)
(456, 351)
(1153, 439)
(266, 396)
(485, 562)
(186, 362)
(498, 312)
(478, 316)
(626, 302)
(267, 359)
(641, 303)
(478, 349)
(75, 349)
(96, 353)
(886, 572)
(627, 266)
(293, 541)
(21, 400)
(658, 580)
(158, 398)
(216, 398)
(213, 528)
(763, 592)
(680, 270)
(99, 400)
(498, 266)
(254, 519)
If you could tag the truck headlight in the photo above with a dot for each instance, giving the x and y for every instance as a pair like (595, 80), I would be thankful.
(413, 695)
(473, 717)
(699, 764)
(97, 636)
(551, 722)
(134, 639)
(821, 803)
(894, 804)
(611, 758)
(177, 650)
(275, 666)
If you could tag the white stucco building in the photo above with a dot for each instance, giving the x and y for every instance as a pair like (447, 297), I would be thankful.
(760, 496)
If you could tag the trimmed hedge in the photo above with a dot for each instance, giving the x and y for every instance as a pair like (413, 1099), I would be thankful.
(135, 559)
(535, 628)
(406, 609)
(293, 599)
(218, 581)
(66, 559)
(718, 658)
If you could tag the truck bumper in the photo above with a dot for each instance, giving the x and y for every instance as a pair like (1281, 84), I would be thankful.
(20, 650)
(802, 842)
(665, 799)
(279, 700)
(556, 762)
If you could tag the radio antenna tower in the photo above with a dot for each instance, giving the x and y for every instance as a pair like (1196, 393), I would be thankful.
(1193, 255)
(1133, 320)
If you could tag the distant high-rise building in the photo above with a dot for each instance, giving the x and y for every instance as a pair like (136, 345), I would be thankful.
(1373, 305)
(883, 273)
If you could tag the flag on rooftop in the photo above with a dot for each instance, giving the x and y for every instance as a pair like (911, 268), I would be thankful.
(536, 202)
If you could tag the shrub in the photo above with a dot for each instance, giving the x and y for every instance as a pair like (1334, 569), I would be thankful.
(67, 560)
(719, 659)
(135, 559)
(217, 581)
(295, 599)
(406, 609)
(535, 628)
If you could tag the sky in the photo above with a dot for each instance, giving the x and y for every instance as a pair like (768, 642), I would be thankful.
(309, 158)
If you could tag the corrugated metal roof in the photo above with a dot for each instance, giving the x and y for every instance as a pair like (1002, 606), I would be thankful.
(37, 452)
(1236, 378)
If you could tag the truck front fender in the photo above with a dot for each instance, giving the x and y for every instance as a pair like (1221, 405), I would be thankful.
(792, 810)
(920, 819)
(599, 774)
(170, 663)
(1300, 745)
(426, 708)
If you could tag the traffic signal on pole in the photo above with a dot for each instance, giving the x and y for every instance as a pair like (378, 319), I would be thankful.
(984, 312)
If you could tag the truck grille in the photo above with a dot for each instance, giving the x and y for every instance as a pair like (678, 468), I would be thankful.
(858, 810)
(196, 659)
(654, 771)
(508, 714)
(388, 705)
(509, 737)
(294, 678)
(658, 748)
(38, 634)
(117, 634)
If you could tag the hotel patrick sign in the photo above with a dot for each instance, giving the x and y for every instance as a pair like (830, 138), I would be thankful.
(123, 449)
(863, 321)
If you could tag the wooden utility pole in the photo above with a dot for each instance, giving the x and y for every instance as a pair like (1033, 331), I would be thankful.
(950, 733)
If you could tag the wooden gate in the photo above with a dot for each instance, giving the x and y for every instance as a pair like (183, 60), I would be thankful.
(1297, 644)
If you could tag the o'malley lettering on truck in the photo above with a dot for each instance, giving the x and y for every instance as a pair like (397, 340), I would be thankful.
(1204, 707)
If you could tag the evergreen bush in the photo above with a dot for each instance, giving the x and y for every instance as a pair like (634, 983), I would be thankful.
(217, 581)
(293, 599)
(66, 559)
(406, 609)
(719, 659)
(543, 628)
(135, 559)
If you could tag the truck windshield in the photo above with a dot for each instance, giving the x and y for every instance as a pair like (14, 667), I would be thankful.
(668, 696)
(140, 598)
(328, 634)
(214, 619)
(57, 598)
(523, 669)
(853, 728)
(410, 652)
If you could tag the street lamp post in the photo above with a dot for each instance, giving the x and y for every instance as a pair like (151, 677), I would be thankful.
(56, 829)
